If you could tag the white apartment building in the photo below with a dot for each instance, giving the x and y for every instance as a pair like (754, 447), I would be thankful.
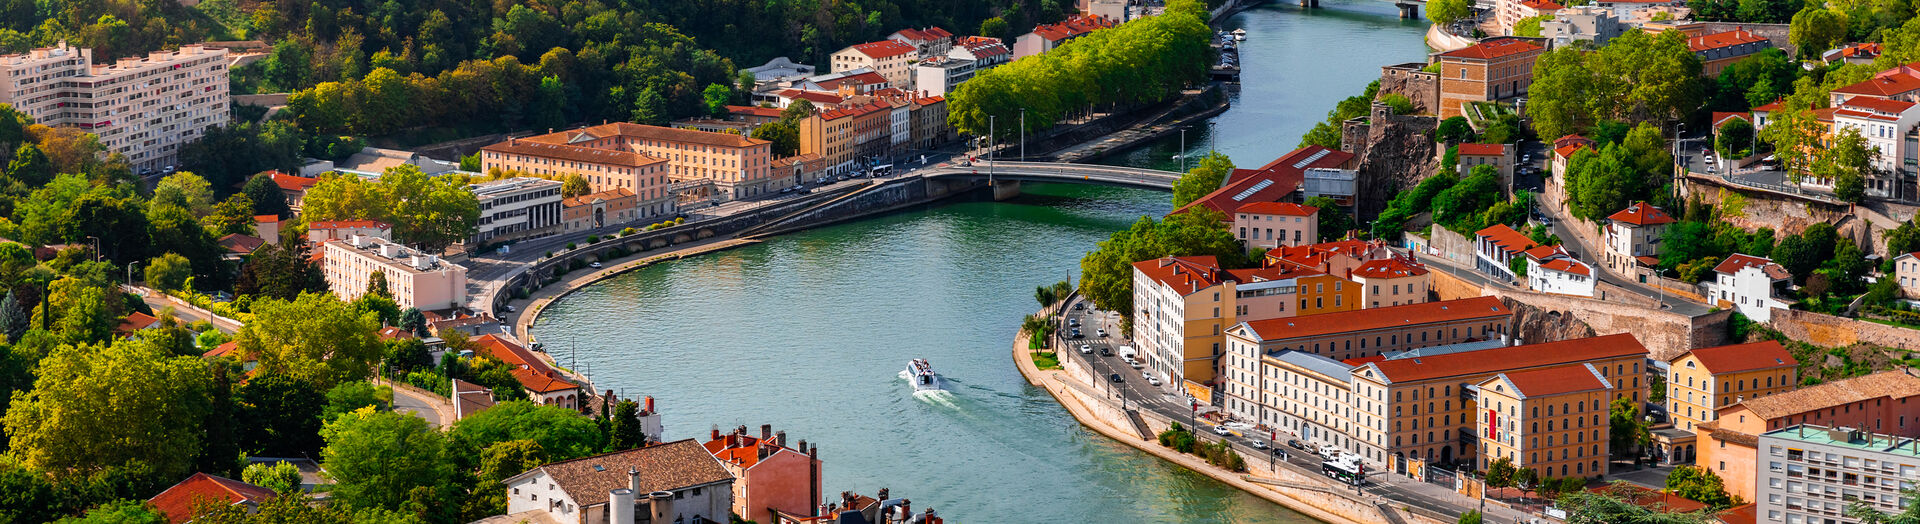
(941, 74)
(1551, 270)
(1748, 283)
(1635, 232)
(518, 207)
(1885, 123)
(417, 280)
(677, 481)
(142, 107)
(1814, 473)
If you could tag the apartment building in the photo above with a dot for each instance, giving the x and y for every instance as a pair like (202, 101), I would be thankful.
(603, 169)
(1183, 304)
(1497, 155)
(1900, 83)
(1506, 13)
(929, 42)
(1887, 125)
(844, 135)
(1883, 402)
(144, 108)
(1719, 50)
(1391, 282)
(985, 52)
(770, 476)
(1906, 269)
(723, 165)
(1704, 380)
(515, 208)
(1496, 247)
(1551, 270)
(1748, 284)
(1549, 420)
(596, 210)
(930, 128)
(1494, 69)
(1341, 257)
(1814, 473)
(1045, 37)
(673, 482)
(941, 74)
(890, 58)
(418, 280)
(1311, 397)
(1255, 224)
(1633, 236)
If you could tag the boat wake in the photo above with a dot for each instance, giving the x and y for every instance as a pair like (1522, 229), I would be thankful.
(938, 397)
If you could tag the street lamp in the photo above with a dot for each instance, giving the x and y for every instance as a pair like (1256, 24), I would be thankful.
(1023, 134)
(990, 150)
(1183, 149)
(130, 264)
(95, 242)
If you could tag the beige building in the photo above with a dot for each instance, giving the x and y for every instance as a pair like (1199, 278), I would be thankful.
(1256, 225)
(843, 135)
(519, 207)
(733, 166)
(1183, 305)
(417, 280)
(603, 169)
(145, 108)
(1906, 268)
(1704, 380)
(1391, 282)
(1549, 420)
(595, 210)
(1633, 236)
(1497, 155)
(890, 58)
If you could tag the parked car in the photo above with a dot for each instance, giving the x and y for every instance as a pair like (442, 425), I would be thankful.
(1259, 444)
(1153, 380)
(1079, 306)
(1076, 334)
(1073, 322)
(1106, 352)
(1295, 444)
(1115, 378)
(1102, 332)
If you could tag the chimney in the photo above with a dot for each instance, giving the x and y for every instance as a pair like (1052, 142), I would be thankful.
(814, 452)
(649, 404)
(716, 433)
(766, 431)
(803, 446)
(633, 479)
(620, 506)
(780, 439)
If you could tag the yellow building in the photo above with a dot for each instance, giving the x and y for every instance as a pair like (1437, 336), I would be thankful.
(1325, 293)
(1549, 420)
(1704, 380)
(1183, 307)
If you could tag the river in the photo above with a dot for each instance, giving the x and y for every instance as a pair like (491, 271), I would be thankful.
(808, 332)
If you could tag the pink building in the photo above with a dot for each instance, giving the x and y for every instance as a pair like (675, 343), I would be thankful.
(1268, 224)
(769, 475)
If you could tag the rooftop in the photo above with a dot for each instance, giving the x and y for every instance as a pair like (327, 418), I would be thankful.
(1506, 238)
(1331, 368)
(1723, 40)
(1641, 214)
(591, 155)
(292, 183)
(1394, 267)
(1471, 149)
(1509, 358)
(658, 133)
(1886, 84)
(1765, 354)
(1737, 261)
(1379, 318)
(1557, 380)
(1271, 182)
(1877, 105)
(1184, 275)
(1491, 48)
(486, 190)
(662, 467)
(1890, 384)
(603, 195)
(349, 224)
(177, 502)
(883, 49)
(534, 373)
(1072, 27)
(1845, 437)
(1277, 208)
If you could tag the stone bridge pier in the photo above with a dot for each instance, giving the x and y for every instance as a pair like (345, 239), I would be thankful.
(1408, 10)
(1004, 190)
(1309, 3)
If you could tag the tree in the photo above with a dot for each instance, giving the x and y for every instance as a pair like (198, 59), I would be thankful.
(1866, 514)
(996, 28)
(574, 185)
(93, 408)
(1530, 26)
(563, 433)
(1613, 506)
(279, 415)
(432, 212)
(280, 272)
(1700, 485)
(1444, 12)
(626, 430)
(266, 196)
(1735, 139)
(1470, 517)
(233, 216)
(282, 477)
(498, 462)
(289, 64)
(1399, 103)
(1815, 30)
(1627, 431)
(797, 111)
(784, 134)
(119, 512)
(314, 337)
(716, 97)
(168, 272)
(413, 320)
(377, 457)
(1454, 130)
(1334, 220)
(351, 396)
(185, 190)
(14, 318)
(87, 309)
(1846, 161)
(549, 105)
(1797, 255)
(1904, 238)
(1204, 178)
(1107, 272)
(29, 166)
(377, 285)
(1501, 473)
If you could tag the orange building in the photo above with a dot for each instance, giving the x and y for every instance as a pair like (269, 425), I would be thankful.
(1494, 69)
(769, 476)
(1391, 282)
(1550, 420)
(1719, 50)
(1884, 403)
(842, 135)
(1704, 380)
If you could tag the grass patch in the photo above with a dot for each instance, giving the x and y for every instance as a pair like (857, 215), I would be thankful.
(1046, 360)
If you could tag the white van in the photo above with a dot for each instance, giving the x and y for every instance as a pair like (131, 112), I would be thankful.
(1127, 352)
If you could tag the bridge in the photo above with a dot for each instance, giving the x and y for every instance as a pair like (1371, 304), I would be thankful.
(1133, 177)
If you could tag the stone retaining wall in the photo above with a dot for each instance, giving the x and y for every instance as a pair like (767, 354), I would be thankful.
(1832, 331)
(1666, 334)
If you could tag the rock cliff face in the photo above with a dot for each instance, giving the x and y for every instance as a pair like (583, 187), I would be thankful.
(1534, 325)
(1395, 153)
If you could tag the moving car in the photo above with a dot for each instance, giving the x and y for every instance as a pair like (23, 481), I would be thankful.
(1106, 352)
(1150, 380)
(1102, 332)
(1221, 431)
(1115, 377)
(1295, 444)
(1086, 349)
(595, 265)
(1076, 333)
(1259, 444)
(1079, 306)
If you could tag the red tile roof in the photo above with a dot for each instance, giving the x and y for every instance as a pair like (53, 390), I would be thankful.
(1884, 85)
(865, 78)
(1072, 27)
(1860, 50)
(764, 112)
(1184, 275)
(1506, 238)
(1277, 208)
(1380, 318)
(265, 218)
(610, 194)
(1557, 380)
(534, 374)
(1770, 107)
(1743, 357)
(742, 450)
(1881, 105)
(177, 502)
(349, 224)
(222, 350)
(811, 96)
(1741, 514)
(1726, 39)
(293, 183)
(1542, 5)
(883, 49)
(1483, 149)
(923, 35)
(1641, 214)
(1736, 262)
(1720, 118)
(1508, 358)
(394, 333)
(574, 153)
(632, 130)
(1271, 182)
(1651, 499)
(982, 50)
(1388, 268)
(135, 321)
(241, 244)
(1492, 48)
(1567, 265)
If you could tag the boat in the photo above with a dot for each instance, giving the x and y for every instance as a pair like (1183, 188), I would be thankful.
(922, 375)
(1239, 34)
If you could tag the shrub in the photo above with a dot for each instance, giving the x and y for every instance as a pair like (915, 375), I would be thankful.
(570, 246)
(627, 231)
(593, 238)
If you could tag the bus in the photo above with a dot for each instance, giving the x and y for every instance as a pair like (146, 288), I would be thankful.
(1346, 468)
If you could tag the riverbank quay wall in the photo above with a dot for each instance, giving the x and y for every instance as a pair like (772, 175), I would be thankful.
(1306, 492)
(1544, 317)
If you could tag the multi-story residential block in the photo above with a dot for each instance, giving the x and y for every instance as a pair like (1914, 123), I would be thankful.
(940, 75)
(605, 169)
(1899, 83)
(930, 128)
(596, 210)
(417, 280)
(1551, 270)
(1278, 181)
(1494, 69)
(769, 476)
(1340, 257)
(1510, 12)
(673, 482)
(1496, 247)
(518, 207)
(1719, 50)
(734, 166)
(1704, 380)
(888, 57)
(1392, 281)
(1816, 473)
(985, 52)
(846, 135)
(1045, 37)
(1563, 151)
(1309, 395)
(1497, 155)
(1255, 224)
(1550, 420)
(1182, 305)
(929, 42)
(325, 230)
(1633, 236)
(1888, 126)
(1906, 271)
(144, 108)
(1582, 23)
(1883, 402)
(1749, 284)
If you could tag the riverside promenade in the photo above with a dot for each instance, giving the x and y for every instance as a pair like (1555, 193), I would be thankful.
(1313, 495)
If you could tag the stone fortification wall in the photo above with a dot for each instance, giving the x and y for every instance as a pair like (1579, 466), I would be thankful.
(1832, 331)
(1421, 87)
(1547, 318)
(1396, 152)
